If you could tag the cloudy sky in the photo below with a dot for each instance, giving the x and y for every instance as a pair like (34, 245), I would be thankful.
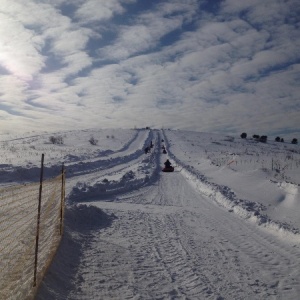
(206, 65)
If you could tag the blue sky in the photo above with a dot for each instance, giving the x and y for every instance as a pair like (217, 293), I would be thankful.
(226, 66)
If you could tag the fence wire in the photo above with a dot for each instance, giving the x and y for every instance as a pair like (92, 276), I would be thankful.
(18, 235)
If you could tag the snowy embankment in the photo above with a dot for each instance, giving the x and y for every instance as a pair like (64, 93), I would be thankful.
(122, 172)
(21, 157)
(246, 191)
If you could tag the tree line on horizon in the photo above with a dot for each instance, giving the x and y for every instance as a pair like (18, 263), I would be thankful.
(264, 138)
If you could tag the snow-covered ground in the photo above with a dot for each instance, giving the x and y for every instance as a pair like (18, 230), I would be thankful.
(224, 225)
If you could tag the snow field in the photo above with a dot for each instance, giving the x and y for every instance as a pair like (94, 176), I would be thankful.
(210, 230)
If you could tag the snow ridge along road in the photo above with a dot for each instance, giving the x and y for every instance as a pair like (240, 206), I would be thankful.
(164, 239)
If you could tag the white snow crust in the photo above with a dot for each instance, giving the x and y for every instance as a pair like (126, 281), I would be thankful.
(224, 225)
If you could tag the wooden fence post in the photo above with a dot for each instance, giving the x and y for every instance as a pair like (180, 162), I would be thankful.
(38, 222)
(62, 198)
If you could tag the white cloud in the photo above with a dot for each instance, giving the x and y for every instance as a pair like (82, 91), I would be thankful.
(98, 10)
(148, 29)
(19, 52)
(233, 70)
(66, 41)
(76, 62)
(12, 90)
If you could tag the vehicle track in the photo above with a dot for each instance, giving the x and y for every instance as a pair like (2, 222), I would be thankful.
(168, 241)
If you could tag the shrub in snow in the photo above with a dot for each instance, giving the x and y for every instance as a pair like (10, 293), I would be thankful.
(295, 141)
(129, 175)
(56, 139)
(277, 139)
(263, 139)
(93, 141)
(243, 135)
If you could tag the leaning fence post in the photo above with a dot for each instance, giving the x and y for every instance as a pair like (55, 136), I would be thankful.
(38, 222)
(62, 198)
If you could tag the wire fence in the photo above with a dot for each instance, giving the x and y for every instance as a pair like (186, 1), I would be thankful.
(31, 223)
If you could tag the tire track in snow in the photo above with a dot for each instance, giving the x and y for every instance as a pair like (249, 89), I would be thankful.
(93, 184)
(264, 253)
(195, 249)
(132, 151)
(170, 242)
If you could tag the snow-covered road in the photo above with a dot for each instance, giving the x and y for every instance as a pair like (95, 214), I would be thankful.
(167, 240)
(170, 242)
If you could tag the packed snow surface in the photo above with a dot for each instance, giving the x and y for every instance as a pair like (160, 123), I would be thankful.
(224, 225)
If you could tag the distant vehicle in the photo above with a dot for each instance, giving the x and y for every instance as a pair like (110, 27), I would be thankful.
(168, 169)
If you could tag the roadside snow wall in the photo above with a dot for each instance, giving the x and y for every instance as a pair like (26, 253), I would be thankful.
(31, 219)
